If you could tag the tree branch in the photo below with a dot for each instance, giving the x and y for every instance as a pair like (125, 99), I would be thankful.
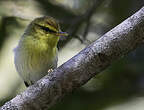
(82, 67)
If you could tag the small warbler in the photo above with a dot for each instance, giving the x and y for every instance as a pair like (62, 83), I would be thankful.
(36, 52)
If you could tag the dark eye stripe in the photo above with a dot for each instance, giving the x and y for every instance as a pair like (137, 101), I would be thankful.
(46, 29)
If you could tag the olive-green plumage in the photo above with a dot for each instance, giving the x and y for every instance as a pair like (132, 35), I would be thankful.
(36, 52)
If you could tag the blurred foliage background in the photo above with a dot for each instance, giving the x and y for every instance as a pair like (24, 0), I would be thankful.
(120, 87)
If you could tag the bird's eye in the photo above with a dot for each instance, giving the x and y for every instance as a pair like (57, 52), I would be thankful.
(46, 29)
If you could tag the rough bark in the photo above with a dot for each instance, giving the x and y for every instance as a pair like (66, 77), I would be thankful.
(82, 67)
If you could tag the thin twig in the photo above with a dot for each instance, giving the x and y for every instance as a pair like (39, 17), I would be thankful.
(86, 29)
(78, 21)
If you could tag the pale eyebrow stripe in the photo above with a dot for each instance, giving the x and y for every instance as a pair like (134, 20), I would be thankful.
(46, 28)
(52, 23)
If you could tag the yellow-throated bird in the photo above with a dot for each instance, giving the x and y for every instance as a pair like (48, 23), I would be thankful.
(36, 52)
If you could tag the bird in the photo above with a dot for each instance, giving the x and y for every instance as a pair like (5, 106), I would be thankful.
(36, 53)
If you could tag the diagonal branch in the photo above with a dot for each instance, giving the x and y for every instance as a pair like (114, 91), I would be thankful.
(82, 67)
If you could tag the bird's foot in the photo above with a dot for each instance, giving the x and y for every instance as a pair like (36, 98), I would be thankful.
(50, 70)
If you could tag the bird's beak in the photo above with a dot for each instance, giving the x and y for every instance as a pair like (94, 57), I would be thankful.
(62, 34)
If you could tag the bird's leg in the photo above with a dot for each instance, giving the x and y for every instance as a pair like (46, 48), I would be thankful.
(50, 70)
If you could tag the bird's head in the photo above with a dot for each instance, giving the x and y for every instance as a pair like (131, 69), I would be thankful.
(45, 28)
